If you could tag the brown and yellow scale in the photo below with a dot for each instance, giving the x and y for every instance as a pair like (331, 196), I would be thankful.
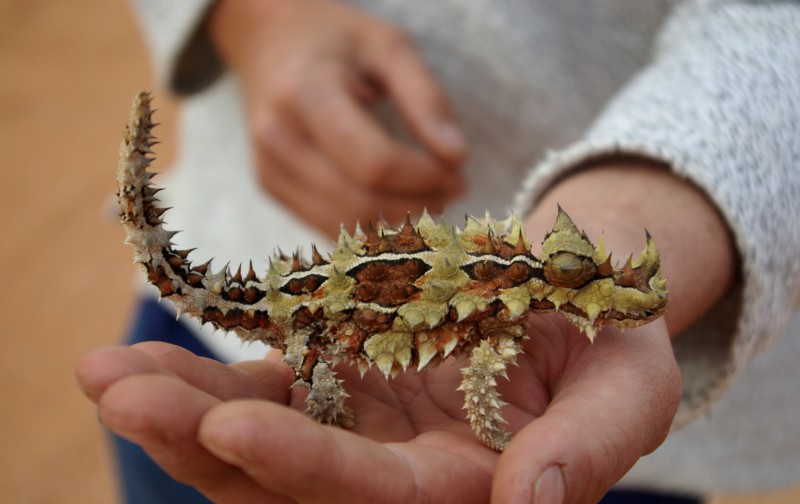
(393, 298)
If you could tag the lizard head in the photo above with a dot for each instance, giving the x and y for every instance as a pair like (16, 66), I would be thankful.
(590, 290)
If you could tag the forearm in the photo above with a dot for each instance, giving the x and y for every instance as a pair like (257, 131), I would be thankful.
(622, 197)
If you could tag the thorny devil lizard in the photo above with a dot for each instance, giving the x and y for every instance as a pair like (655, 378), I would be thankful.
(395, 298)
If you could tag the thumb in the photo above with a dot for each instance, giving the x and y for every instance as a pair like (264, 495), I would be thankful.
(614, 404)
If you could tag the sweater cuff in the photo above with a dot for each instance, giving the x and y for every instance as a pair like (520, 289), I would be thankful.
(184, 58)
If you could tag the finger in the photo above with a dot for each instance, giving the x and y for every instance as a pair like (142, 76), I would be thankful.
(614, 404)
(263, 379)
(291, 168)
(359, 146)
(325, 464)
(397, 65)
(102, 367)
(161, 414)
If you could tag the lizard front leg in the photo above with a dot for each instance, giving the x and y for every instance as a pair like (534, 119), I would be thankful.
(326, 396)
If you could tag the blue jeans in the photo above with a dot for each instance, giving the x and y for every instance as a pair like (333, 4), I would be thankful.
(143, 482)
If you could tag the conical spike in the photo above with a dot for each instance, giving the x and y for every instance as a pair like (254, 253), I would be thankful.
(520, 248)
(513, 227)
(628, 264)
(658, 284)
(381, 224)
(563, 221)
(425, 223)
(593, 311)
(203, 268)
(403, 357)
(488, 247)
(591, 332)
(296, 264)
(449, 347)
(487, 218)
(185, 253)
(251, 274)
(600, 249)
(358, 234)
(648, 260)
(626, 276)
(161, 211)
(280, 255)
(373, 238)
(464, 309)
(343, 249)
(407, 228)
(426, 352)
(385, 362)
(605, 268)
(316, 257)
(238, 276)
(344, 236)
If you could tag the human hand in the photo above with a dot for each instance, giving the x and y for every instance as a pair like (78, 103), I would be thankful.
(588, 410)
(309, 71)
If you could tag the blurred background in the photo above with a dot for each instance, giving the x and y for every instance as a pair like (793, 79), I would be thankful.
(68, 71)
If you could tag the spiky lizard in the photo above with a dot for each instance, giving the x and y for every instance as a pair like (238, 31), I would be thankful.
(395, 298)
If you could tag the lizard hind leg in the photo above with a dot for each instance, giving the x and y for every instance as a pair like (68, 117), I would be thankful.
(326, 396)
(481, 399)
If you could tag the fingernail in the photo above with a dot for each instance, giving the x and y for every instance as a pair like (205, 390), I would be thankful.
(451, 138)
(549, 488)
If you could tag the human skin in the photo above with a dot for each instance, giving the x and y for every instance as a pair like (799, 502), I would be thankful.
(309, 71)
(583, 413)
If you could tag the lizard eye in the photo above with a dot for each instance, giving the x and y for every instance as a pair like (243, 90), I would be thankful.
(566, 269)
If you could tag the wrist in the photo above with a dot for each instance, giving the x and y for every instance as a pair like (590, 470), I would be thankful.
(620, 197)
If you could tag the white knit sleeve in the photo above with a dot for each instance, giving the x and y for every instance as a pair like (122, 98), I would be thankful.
(184, 59)
(719, 103)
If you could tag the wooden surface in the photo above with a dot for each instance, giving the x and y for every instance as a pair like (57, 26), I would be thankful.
(69, 71)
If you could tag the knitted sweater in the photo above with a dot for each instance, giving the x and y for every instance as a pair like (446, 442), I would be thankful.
(708, 87)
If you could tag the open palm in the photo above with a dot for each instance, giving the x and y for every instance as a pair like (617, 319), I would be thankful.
(589, 411)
